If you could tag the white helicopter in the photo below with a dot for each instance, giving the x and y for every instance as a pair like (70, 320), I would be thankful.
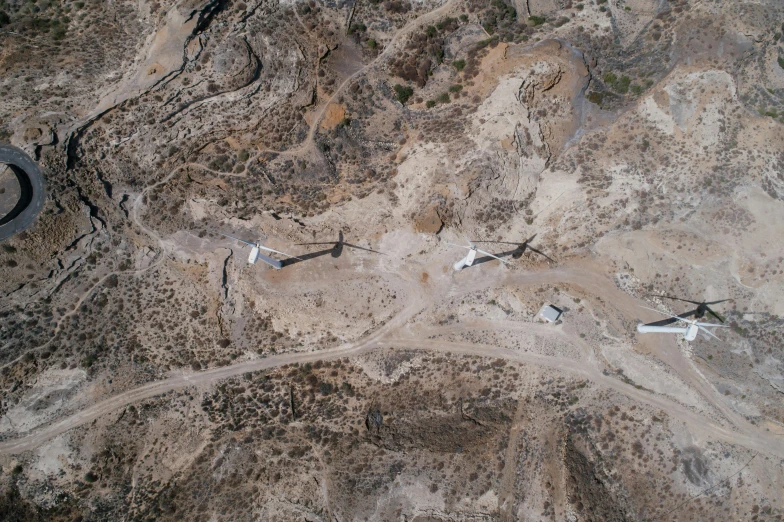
(689, 332)
(256, 255)
(468, 260)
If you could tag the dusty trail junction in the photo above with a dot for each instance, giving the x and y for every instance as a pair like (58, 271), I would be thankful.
(619, 151)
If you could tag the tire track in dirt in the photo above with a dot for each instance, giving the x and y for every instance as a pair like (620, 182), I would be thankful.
(394, 334)
(506, 496)
(706, 428)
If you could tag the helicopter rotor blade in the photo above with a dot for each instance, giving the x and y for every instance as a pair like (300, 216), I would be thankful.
(279, 252)
(504, 261)
(675, 317)
(460, 246)
(708, 332)
(522, 245)
(498, 242)
(238, 239)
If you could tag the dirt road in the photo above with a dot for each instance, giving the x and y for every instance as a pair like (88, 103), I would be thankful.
(697, 423)
(396, 333)
(378, 60)
(765, 443)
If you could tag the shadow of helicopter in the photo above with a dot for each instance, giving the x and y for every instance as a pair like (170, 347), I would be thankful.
(336, 251)
(305, 257)
(698, 313)
(516, 253)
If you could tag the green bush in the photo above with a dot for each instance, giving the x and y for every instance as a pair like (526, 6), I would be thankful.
(243, 155)
(446, 23)
(537, 20)
(636, 89)
(456, 88)
(460, 64)
(91, 477)
(88, 361)
(622, 85)
(609, 78)
(443, 97)
(58, 33)
(430, 104)
(40, 24)
(403, 93)
(596, 97)
(372, 43)
(357, 28)
(781, 62)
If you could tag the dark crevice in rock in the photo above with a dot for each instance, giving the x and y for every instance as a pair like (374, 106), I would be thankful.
(588, 492)
(253, 61)
(122, 204)
(94, 209)
(225, 275)
(65, 280)
(250, 13)
(107, 187)
(72, 141)
(205, 16)
(75, 242)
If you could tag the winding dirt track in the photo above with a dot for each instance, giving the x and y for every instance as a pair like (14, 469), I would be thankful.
(397, 333)
(186, 379)
(376, 62)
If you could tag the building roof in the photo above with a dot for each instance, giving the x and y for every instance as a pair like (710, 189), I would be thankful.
(550, 313)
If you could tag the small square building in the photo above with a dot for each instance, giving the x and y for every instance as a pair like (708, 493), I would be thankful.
(550, 313)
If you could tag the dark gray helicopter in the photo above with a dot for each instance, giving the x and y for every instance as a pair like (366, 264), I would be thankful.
(698, 313)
